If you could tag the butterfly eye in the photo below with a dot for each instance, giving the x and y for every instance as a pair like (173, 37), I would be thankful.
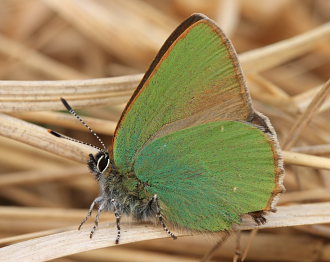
(103, 163)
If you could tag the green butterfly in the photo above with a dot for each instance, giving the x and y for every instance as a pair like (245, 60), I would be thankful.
(189, 148)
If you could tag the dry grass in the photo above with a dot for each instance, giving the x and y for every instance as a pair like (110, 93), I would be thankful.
(285, 54)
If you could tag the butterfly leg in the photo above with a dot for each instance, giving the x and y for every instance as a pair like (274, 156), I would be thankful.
(97, 219)
(90, 211)
(161, 219)
(118, 216)
(258, 217)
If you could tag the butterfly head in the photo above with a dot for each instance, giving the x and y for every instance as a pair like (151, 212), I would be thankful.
(100, 164)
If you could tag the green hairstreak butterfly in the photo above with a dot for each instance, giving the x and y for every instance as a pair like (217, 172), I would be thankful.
(189, 148)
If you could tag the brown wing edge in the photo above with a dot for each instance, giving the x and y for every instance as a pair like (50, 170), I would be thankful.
(262, 121)
(175, 34)
(239, 72)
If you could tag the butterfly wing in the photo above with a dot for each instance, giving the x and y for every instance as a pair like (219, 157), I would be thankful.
(207, 176)
(194, 79)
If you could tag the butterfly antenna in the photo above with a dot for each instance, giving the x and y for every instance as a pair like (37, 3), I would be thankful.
(70, 109)
(54, 133)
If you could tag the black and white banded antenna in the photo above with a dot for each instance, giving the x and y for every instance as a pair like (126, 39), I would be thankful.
(54, 133)
(70, 109)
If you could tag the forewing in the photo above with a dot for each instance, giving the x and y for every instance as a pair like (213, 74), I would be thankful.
(194, 79)
(207, 176)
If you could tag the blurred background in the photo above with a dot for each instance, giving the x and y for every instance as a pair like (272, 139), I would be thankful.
(82, 39)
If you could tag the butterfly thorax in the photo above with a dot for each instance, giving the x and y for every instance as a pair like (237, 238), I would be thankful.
(128, 184)
(130, 193)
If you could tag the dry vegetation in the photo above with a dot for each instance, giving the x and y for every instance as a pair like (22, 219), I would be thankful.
(44, 188)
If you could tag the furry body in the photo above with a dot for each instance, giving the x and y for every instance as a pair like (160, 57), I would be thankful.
(125, 189)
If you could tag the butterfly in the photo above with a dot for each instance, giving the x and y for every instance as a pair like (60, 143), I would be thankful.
(189, 149)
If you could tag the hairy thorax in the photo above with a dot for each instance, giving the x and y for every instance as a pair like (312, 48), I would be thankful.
(130, 192)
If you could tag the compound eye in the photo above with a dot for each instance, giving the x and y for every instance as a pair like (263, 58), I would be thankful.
(103, 163)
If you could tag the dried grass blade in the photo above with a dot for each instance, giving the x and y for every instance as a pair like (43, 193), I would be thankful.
(39, 137)
(38, 61)
(41, 176)
(272, 55)
(314, 150)
(304, 119)
(306, 160)
(100, 126)
(18, 96)
(55, 246)
(104, 26)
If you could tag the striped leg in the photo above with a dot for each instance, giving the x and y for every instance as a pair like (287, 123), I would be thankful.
(97, 219)
(90, 211)
(161, 219)
(118, 215)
